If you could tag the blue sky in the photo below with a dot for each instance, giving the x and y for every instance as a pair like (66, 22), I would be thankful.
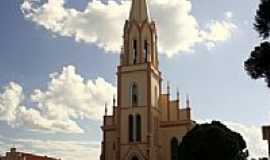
(31, 48)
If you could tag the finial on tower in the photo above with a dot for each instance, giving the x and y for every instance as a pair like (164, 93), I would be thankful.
(106, 109)
(114, 101)
(187, 101)
(139, 11)
(168, 87)
(178, 95)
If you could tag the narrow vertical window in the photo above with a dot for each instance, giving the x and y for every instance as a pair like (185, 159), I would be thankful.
(134, 95)
(114, 147)
(145, 51)
(174, 149)
(138, 128)
(134, 51)
(130, 128)
(134, 129)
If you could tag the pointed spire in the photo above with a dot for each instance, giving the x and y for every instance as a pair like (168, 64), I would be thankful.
(139, 11)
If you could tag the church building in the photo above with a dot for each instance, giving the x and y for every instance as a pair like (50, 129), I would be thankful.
(145, 124)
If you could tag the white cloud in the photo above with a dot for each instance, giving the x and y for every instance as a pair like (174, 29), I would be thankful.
(99, 23)
(68, 97)
(178, 33)
(10, 99)
(72, 96)
(218, 31)
(102, 24)
(253, 137)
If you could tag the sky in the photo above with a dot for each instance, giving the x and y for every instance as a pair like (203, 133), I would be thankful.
(58, 62)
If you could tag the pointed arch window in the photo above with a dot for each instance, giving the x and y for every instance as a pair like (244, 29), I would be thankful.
(174, 149)
(138, 128)
(130, 128)
(134, 128)
(134, 95)
(135, 52)
(145, 51)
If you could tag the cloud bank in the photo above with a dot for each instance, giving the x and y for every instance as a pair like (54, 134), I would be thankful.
(68, 97)
(84, 150)
(102, 24)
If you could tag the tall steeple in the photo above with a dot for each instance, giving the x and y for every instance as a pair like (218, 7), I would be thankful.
(139, 11)
(140, 37)
(144, 122)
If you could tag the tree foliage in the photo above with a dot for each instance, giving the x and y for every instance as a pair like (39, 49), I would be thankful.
(212, 142)
(258, 65)
(262, 19)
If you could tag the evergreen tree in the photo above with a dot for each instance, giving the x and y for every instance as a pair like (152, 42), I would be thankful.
(258, 65)
(212, 142)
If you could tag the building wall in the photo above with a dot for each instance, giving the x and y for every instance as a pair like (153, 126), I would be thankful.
(130, 75)
(169, 132)
(155, 90)
(110, 147)
(162, 133)
(163, 107)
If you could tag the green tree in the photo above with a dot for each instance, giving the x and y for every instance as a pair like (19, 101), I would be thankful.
(258, 65)
(262, 19)
(212, 141)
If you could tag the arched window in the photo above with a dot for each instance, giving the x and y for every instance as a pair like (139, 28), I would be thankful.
(130, 128)
(134, 128)
(134, 51)
(138, 128)
(145, 50)
(174, 149)
(134, 95)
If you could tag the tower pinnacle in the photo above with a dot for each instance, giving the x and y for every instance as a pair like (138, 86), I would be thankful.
(139, 11)
(106, 109)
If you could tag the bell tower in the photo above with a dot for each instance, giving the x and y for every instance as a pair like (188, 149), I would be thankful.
(139, 81)
(139, 64)
(145, 124)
